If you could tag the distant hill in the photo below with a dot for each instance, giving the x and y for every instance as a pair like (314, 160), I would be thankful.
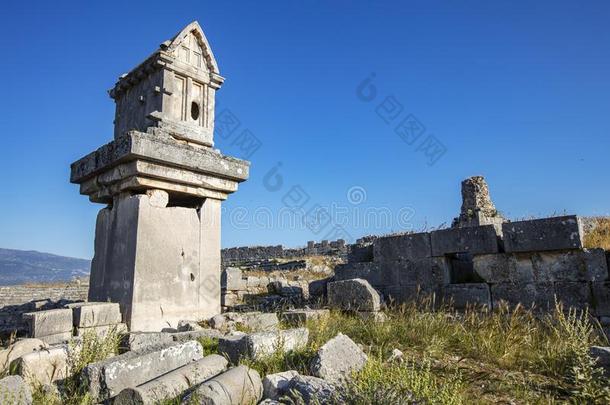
(28, 266)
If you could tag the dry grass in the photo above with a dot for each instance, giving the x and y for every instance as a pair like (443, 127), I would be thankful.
(599, 234)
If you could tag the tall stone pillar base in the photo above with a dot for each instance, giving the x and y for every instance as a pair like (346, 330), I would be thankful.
(160, 263)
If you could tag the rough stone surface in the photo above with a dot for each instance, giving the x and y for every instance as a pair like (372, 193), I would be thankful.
(601, 298)
(18, 349)
(540, 296)
(49, 322)
(254, 321)
(240, 385)
(473, 240)
(188, 326)
(299, 317)
(15, 391)
(409, 246)
(353, 295)
(477, 207)
(275, 385)
(463, 295)
(555, 233)
(106, 378)
(232, 279)
(90, 314)
(261, 344)
(174, 383)
(195, 335)
(44, 366)
(218, 321)
(602, 356)
(337, 359)
(103, 331)
(311, 390)
(144, 340)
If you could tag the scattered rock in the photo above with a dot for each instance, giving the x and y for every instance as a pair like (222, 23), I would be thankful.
(196, 334)
(174, 383)
(15, 391)
(18, 349)
(218, 321)
(275, 385)
(261, 344)
(300, 317)
(44, 366)
(311, 390)
(253, 321)
(188, 326)
(337, 359)
(143, 340)
(239, 385)
(353, 295)
(396, 357)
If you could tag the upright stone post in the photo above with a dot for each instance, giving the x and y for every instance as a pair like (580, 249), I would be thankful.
(157, 242)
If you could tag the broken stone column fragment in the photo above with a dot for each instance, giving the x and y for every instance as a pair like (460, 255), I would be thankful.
(157, 242)
(477, 207)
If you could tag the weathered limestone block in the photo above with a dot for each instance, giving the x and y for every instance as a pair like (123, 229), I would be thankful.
(196, 334)
(576, 265)
(274, 385)
(240, 385)
(188, 326)
(337, 359)
(463, 295)
(158, 198)
(103, 331)
(474, 240)
(174, 383)
(299, 317)
(556, 233)
(254, 321)
(317, 288)
(90, 314)
(410, 247)
(144, 340)
(229, 299)
(15, 391)
(49, 322)
(18, 349)
(107, 378)
(504, 268)
(44, 366)
(573, 294)
(137, 242)
(541, 296)
(261, 344)
(360, 253)
(231, 279)
(477, 207)
(371, 272)
(353, 295)
(311, 390)
(409, 293)
(601, 298)
(426, 272)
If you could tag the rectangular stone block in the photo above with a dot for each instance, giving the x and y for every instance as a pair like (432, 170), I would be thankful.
(90, 314)
(103, 331)
(106, 378)
(399, 294)
(144, 340)
(44, 366)
(56, 338)
(557, 233)
(301, 317)
(231, 279)
(410, 247)
(574, 265)
(573, 294)
(601, 298)
(463, 295)
(426, 272)
(371, 272)
(538, 296)
(360, 254)
(49, 322)
(475, 240)
(504, 268)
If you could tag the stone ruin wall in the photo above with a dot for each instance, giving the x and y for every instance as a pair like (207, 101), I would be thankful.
(527, 262)
(264, 253)
(16, 300)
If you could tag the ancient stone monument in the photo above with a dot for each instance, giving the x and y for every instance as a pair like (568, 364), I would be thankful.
(157, 243)
(477, 207)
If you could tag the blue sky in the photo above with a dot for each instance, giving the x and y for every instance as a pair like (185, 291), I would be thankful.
(515, 91)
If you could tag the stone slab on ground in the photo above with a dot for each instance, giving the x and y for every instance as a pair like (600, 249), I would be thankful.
(44, 366)
(196, 334)
(90, 314)
(144, 340)
(274, 385)
(353, 295)
(174, 383)
(337, 359)
(299, 317)
(49, 322)
(240, 385)
(463, 295)
(15, 391)
(310, 390)
(18, 349)
(473, 240)
(107, 378)
(260, 344)
(556, 233)
(254, 321)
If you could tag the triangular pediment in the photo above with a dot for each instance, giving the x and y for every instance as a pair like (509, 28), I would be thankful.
(191, 47)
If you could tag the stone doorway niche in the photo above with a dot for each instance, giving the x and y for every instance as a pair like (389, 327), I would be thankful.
(461, 269)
